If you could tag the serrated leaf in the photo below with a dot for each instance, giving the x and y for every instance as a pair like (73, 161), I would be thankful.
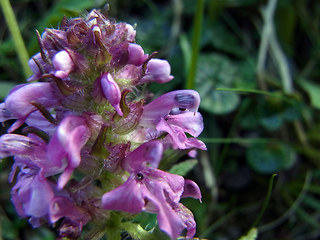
(270, 158)
(184, 167)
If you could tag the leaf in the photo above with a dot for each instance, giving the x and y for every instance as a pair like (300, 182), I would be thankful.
(252, 235)
(184, 167)
(313, 91)
(216, 71)
(273, 122)
(270, 158)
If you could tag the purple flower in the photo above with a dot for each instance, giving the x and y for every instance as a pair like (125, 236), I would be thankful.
(65, 146)
(176, 113)
(32, 195)
(19, 104)
(88, 117)
(157, 70)
(152, 190)
(136, 54)
(63, 64)
(106, 87)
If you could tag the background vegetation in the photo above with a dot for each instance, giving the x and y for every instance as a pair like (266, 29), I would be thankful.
(256, 66)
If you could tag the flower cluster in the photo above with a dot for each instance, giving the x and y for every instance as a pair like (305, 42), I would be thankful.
(86, 140)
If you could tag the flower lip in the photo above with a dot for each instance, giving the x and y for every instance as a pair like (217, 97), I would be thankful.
(174, 103)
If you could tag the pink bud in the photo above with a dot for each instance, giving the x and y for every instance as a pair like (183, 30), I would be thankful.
(136, 54)
(111, 91)
(63, 64)
(158, 70)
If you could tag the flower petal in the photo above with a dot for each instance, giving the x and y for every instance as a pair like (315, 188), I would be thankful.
(63, 64)
(147, 153)
(157, 70)
(191, 189)
(190, 122)
(111, 91)
(128, 197)
(32, 196)
(187, 100)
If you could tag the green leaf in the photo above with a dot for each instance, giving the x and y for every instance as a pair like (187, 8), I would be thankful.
(270, 158)
(313, 91)
(184, 167)
(273, 122)
(252, 235)
(216, 71)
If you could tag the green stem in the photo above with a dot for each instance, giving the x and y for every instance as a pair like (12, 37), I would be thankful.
(190, 84)
(266, 202)
(16, 36)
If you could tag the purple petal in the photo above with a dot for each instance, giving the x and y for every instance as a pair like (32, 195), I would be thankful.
(111, 91)
(136, 54)
(178, 137)
(186, 100)
(128, 197)
(34, 63)
(32, 196)
(157, 70)
(63, 64)
(157, 180)
(191, 189)
(190, 122)
(64, 207)
(72, 134)
(14, 144)
(147, 153)
(18, 103)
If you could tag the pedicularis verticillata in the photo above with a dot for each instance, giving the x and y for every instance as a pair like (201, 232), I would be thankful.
(91, 143)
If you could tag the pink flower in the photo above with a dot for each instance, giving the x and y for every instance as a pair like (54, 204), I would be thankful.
(65, 146)
(152, 190)
(176, 113)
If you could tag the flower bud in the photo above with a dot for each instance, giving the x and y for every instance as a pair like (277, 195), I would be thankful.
(157, 70)
(136, 54)
(63, 64)
(111, 91)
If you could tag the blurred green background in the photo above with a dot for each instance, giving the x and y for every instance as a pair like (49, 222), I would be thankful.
(256, 66)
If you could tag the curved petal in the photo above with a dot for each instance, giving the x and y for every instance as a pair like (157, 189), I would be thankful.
(157, 70)
(32, 196)
(191, 189)
(150, 152)
(190, 122)
(111, 91)
(19, 102)
(128, 197)
(64, 207)
(63, 64)
(187, 100)
(178, 137)
(136, 54)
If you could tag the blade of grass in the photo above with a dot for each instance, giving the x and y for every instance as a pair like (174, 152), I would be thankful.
(266, 201)
(16, 36)
(238, 140)
(198, 18)
(247, 91)
(293, 207)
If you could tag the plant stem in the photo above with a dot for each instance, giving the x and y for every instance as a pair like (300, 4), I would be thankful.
(190, 84)
(16, 36)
